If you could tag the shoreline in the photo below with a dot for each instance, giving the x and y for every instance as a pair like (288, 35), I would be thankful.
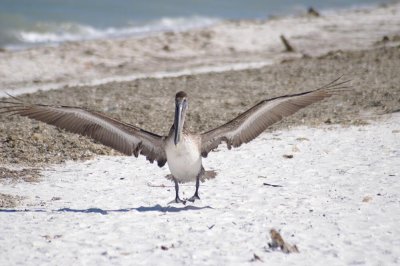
(31, 38)
(220, 46)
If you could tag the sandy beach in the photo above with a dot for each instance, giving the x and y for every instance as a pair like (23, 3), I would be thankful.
(225, 69)
(337, 200)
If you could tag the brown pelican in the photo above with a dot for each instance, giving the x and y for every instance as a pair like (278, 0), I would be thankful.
(180, 149)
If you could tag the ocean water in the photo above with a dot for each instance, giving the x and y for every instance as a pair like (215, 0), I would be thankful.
(27, 23)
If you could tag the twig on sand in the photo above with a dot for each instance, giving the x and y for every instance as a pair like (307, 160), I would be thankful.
(256, 258)
(278, 242)
(152, 185)
(288, 47)
(271, 185)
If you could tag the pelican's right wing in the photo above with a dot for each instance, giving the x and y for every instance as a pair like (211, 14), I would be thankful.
(254, 121)
(123, 137)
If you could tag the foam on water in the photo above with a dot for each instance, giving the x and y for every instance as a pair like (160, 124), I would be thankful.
(62, 32)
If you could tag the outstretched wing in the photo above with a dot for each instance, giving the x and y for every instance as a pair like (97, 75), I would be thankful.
(254, 121)
(113, 133)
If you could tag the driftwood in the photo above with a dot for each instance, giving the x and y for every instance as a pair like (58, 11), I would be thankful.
(278, 242)
(312, 12)
(256, 258)
(288, 47)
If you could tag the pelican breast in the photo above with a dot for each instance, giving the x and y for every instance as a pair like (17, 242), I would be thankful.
(184, 159)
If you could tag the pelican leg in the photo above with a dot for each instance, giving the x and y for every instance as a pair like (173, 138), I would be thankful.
(177, 199)
(196, 193)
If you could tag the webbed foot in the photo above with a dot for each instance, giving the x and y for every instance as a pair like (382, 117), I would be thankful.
(194, 197)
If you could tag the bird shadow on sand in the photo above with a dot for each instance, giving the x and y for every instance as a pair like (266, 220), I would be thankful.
(155, 208)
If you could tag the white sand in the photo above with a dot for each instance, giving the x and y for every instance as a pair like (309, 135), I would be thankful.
(108, 214)
(224, 46)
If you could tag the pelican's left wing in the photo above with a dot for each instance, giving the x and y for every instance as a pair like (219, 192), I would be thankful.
(126, 138)
(254, 121)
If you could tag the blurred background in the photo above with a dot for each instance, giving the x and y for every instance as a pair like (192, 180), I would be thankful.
(27, 23)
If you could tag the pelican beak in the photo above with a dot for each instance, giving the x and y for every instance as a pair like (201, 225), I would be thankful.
(178, 122)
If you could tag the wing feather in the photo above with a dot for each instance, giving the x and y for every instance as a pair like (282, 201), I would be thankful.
(126, 138)
(254, 121)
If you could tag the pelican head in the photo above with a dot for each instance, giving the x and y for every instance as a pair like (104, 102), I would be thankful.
(181, 104)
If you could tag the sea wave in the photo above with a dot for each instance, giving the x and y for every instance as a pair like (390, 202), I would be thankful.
(56, 33)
